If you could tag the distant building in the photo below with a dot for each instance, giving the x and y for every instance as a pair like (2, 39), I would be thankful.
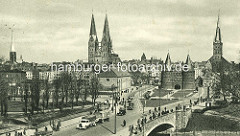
(143, 58)
(13, 54)
(122, 80)
(178, 79)
(218, 62)
(15, 79)
(101, 52)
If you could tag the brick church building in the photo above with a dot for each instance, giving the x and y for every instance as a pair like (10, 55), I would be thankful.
(101, 52)
(218, 62)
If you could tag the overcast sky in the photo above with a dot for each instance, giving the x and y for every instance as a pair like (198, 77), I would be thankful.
(47, 30)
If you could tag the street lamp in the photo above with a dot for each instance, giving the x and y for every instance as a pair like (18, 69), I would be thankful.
(146, 97)
(115, 116)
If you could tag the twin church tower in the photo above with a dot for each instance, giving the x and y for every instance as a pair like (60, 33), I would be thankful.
(101, 52)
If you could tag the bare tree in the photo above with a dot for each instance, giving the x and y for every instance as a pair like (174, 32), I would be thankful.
(4, 95)
(57, 85)
(47, 93)
(35, 94)
(2, 59)
(65, 83)
(26, 90)
(94, 88)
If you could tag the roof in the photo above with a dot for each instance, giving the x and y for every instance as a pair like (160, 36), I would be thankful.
(168, 60)
(93, 28)
(12, 71)
(114, 73)
(189, 62)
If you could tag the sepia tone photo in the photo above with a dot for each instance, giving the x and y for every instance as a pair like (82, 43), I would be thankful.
(119, 67)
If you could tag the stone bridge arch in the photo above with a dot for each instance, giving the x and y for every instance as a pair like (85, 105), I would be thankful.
(177, 119)
(165, 119)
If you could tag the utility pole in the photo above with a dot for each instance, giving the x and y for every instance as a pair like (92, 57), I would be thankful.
(115, 109)
(115, 117)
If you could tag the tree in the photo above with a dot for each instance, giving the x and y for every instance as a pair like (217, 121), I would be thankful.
(57, 85)
(65, 81)
(72, 90)
(84, 88)
(47, 93)
(4, 88)
(216, 86)
(94, 88)
(35, 94)
(77, 87)
(136, 77)
(2, 59)
(26, 90)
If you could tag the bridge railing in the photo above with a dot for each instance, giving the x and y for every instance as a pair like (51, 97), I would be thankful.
(148, 120)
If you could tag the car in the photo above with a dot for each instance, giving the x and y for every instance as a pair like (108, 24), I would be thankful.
(87, 121)
(122, 111)
(130, 106)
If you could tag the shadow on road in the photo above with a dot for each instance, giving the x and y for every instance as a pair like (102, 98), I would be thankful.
(107, 128)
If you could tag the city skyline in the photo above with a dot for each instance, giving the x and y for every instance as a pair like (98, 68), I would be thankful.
(50, 33)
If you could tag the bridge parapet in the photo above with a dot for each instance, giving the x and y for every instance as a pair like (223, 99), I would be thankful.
(177, 119)
(169, 118)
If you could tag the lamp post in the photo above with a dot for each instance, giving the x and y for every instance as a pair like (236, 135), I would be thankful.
(115, 112)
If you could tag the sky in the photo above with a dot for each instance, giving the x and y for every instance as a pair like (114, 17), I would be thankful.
(46, 31)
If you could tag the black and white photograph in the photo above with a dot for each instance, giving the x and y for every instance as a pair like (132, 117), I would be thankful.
(120, 67)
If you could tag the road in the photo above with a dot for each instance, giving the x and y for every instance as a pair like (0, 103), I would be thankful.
(107, 128)
(131, 117)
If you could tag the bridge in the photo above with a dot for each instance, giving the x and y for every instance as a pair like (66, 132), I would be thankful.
(174, 120)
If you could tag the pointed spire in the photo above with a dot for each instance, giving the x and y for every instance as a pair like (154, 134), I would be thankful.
(189, 62)
(218, 31)
(12, 49)
(143, 58)
(93, 27)
(168, 60)
(106, 33)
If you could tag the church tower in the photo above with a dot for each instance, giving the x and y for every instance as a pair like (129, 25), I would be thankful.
(93, 42)
(106, 44)
(167, 80)
(217, 44)
(143, 57)
(12, 50)
(189, 75)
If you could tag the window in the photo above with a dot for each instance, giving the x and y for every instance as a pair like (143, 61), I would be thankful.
(108, 79)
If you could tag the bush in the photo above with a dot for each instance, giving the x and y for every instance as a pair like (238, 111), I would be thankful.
(221, 103)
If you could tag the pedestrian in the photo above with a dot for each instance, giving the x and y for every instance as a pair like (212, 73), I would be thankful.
(139, 121)
(24, 131)
(131, 129)
(46, 128)
(124, 123)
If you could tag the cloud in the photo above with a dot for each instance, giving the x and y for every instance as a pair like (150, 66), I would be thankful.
(58, 30)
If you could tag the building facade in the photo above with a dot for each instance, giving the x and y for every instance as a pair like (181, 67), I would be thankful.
(101, 52)
(122, 80)
(173, 79)
(218, 62)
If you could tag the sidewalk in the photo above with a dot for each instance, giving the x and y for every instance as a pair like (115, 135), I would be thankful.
(64, 124)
